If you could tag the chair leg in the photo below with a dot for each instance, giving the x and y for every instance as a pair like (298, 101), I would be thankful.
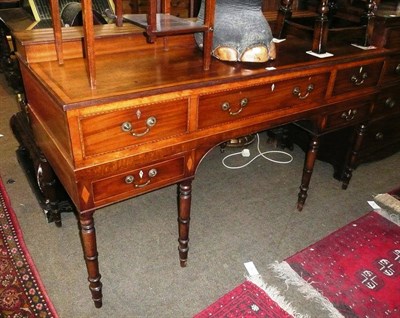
(88, 33)
(56, 20)
(284, 13)
(209, 33)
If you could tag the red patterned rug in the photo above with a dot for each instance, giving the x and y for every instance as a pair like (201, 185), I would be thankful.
(22, 294)
(353, 272)
(248, 300)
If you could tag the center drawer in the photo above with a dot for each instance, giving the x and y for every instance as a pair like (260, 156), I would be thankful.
(228, 105)
(105, 132)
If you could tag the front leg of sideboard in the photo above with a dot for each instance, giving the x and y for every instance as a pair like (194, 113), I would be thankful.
(89, 245)
(184, 203)
(307, 171)
(352, 155)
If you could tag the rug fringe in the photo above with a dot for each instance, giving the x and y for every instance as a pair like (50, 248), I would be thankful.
(285, 272)
(392, 217)
(275, 295)
(390, 209)
(388, 201)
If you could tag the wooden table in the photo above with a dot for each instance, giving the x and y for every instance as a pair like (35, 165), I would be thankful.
(155, 113)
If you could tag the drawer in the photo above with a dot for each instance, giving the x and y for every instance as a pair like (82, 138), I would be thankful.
(130, 127)
(393, 39)
(346, 114)
(388, 102)
(357, 77)
(381, 133)
(229, 105)
(134, 182)
(392, 70)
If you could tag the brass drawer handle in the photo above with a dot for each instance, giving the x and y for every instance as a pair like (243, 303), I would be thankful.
(226, 106)
(130, 179)
(349, 115)
(390, 102)
(297, 91)
(359, 80)
(127, 127)
(397, 69)
(379, 136)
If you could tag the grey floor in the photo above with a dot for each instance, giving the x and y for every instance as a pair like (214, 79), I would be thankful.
(237, 216)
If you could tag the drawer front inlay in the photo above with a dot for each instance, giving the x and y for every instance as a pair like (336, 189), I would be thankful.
(226, 106)
(134, 182)
(116, 130)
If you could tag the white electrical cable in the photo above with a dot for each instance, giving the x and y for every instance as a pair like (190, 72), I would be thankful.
(260, 154)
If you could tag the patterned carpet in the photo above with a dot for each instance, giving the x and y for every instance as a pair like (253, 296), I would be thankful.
(22, 293)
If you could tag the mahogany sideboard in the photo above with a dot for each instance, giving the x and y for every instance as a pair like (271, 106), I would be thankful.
(155, 113)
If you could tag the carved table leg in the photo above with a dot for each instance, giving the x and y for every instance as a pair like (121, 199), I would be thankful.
(307, 171)
(89, 245)
(352, 155)
(185, 196)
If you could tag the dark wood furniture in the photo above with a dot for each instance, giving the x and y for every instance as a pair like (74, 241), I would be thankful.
(179, 8)
(153, 125)
(382, 130)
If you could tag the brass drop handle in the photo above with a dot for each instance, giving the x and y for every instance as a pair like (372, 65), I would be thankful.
(379, 136)
(127, 127)
(297, 92)
(130, 179)
(397, 69)
(349, 115)
(359, 79)
(226, 106)
(390, 102)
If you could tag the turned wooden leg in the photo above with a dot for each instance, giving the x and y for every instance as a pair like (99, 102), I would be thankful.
(88, 239)
(307, 172)
(47, 182)
(352, 155)
(320, 37)
(368, 19)
(284, 14)
(185, 196)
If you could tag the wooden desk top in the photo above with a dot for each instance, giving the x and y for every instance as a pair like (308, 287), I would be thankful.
(149, 69)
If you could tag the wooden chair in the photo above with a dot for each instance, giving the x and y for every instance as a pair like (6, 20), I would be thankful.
(155, 24)
(321, 23)
(164, 24)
